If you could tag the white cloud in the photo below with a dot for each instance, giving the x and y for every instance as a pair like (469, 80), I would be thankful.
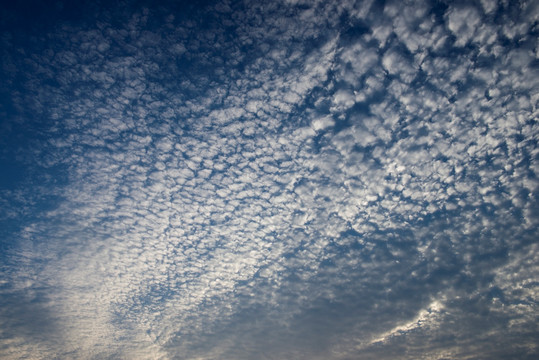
(396, 64)
(463, 23)
(322, 123)
(279, 168)
(429, 317)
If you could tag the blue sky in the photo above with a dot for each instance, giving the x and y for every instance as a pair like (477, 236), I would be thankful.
(269, 180)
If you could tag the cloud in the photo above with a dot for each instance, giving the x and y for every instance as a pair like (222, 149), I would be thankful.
(310, 180)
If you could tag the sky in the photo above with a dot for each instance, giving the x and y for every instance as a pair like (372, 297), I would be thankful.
(279, 179)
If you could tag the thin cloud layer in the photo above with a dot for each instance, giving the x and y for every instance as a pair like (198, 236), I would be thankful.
(310, 180)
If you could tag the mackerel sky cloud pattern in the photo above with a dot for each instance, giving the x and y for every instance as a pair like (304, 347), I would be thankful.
(269, 180)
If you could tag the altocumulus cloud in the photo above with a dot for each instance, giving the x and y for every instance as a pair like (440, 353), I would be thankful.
(270, 180)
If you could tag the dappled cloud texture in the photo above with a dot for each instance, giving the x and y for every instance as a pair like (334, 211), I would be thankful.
(270, 180)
